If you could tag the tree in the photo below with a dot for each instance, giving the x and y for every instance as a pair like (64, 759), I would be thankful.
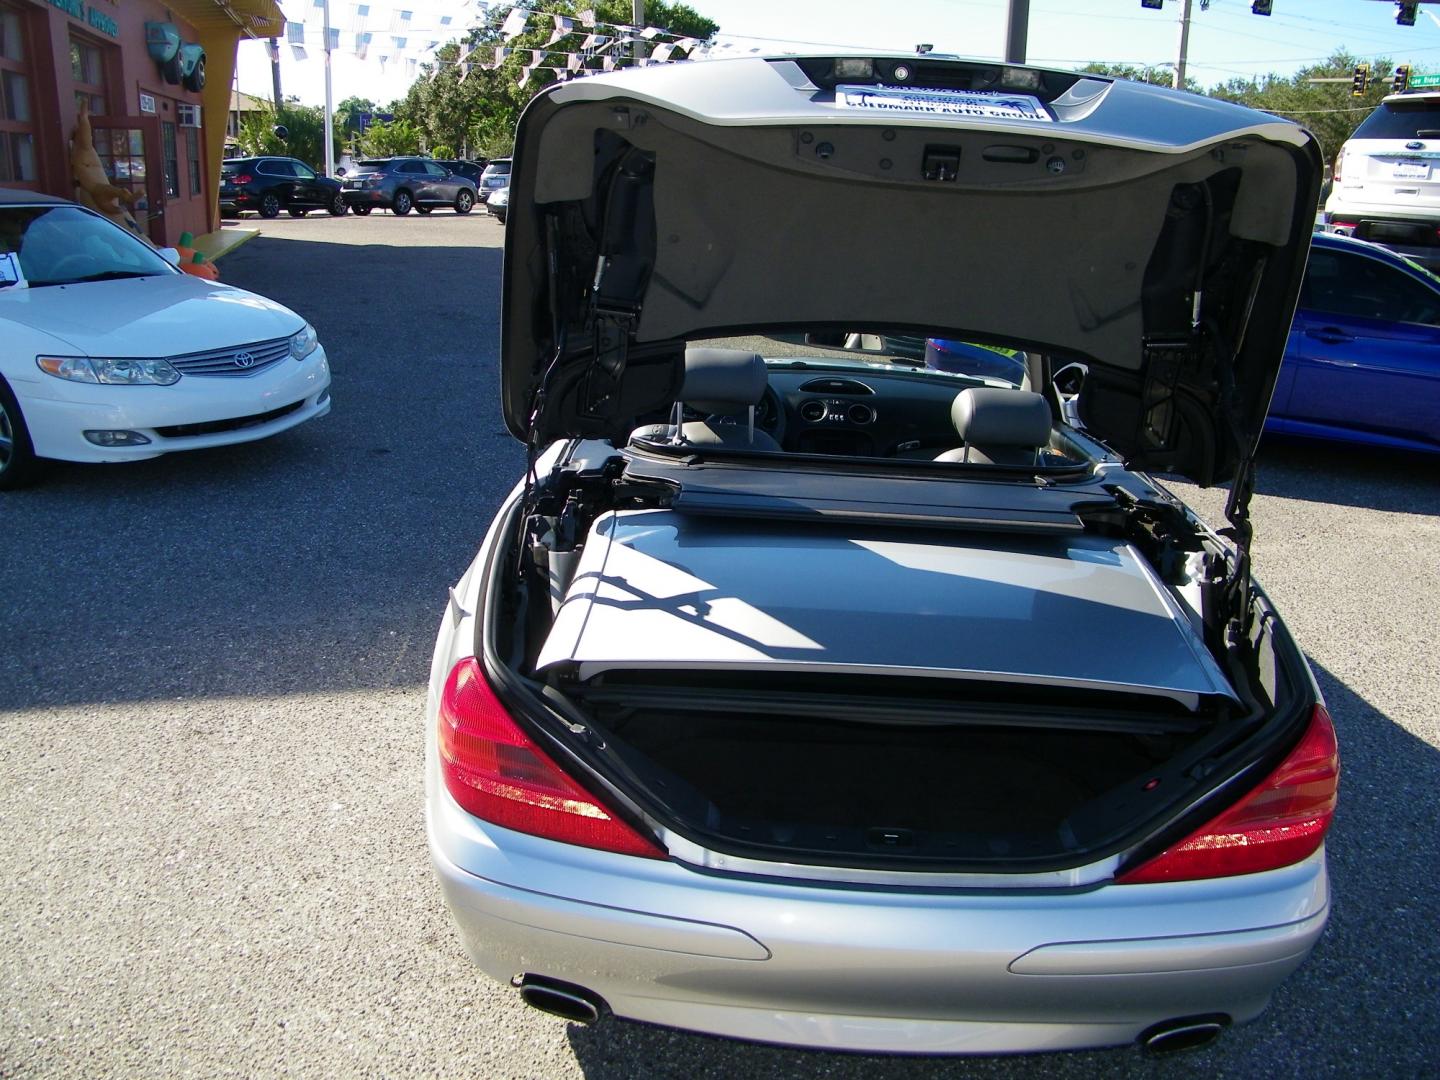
(1328, 109)
(1155, 75)
(347, 115)
(305, 127)
(382, 140)
(475, 110)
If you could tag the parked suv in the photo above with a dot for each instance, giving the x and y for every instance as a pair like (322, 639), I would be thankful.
(1387, 178)
(496, 176)
(471, 170)
(268, 185)
(401, 183)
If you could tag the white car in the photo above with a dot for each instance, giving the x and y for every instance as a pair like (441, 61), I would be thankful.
(1387, 178)
(115, 355)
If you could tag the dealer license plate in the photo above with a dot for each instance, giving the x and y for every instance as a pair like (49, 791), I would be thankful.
(1410, 170)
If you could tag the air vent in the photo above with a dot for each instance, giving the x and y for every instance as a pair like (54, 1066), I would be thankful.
(813, 411)
(836, 386)
(859, 414)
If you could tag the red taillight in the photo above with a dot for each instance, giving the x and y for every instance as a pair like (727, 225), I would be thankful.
(244, 178)
(496, 772)
(1281, 822)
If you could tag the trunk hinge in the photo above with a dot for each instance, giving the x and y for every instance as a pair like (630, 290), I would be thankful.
(613, 319)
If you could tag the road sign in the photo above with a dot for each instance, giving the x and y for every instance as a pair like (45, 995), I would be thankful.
(1426, 81)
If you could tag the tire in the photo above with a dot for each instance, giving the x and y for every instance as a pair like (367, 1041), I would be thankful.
(18, 464)
(362, 209)
(170, 69)
(337, 206)
(423, 209)
(464, 202)
(295, 211)
(270, 205)
(402, 204)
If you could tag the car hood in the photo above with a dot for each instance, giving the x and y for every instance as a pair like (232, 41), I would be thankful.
(1157, 237)
(165, 315)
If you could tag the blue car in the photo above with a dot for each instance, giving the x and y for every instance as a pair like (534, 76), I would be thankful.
(1363, 360)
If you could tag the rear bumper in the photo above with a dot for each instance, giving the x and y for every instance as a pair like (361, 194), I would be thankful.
(1411, 231)
(872, 970)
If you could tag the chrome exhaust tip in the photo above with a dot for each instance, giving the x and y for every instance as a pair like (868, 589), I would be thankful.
(1182, 1033)
(562, 999)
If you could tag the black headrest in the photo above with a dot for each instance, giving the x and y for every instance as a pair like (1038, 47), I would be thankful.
(986, 416)
(722, 380)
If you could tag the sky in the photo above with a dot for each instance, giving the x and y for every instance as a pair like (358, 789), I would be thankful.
(1226, 41)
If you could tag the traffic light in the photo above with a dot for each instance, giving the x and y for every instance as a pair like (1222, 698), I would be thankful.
(1405, 14)
(1261, 7)
(1156, 4)
(1401, 79)
(1360, 80)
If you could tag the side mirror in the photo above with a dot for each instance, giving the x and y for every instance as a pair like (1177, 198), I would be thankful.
(170, 255)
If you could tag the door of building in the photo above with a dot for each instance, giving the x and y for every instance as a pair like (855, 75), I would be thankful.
(130, 150)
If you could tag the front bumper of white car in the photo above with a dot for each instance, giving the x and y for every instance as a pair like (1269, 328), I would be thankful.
(850, 968)
(192, 414)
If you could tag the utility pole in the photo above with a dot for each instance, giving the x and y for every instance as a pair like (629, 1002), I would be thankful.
(275, 71)
(1017, 30)
(330, 102)
(1184, 45)
(637, 19)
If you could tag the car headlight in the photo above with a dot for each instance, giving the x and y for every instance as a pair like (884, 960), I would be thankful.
(117, 371)
(304, 343)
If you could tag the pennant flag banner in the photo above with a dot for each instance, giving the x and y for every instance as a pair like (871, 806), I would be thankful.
(400, 20)
(587, 18)
(334, 42)
(295, 33)
(574, 62)
(362, 12)
(514, 23)
(362, 45)
(298, 51)
(662, 53)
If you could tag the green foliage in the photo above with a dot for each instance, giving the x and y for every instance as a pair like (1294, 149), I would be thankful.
(347, 115)
(1152, 74)
(306, 138)
(382, 140)
(1326, 108)
(475, 112)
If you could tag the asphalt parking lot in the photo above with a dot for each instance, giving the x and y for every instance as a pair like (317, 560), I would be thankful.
(210, 731)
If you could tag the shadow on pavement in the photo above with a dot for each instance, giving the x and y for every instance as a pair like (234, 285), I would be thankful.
(1378, 963)
(1370, 477)
(317, 559)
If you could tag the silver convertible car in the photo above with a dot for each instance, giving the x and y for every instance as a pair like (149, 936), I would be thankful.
(804, 693)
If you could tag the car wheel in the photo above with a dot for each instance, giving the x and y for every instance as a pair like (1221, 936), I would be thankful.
(463, 202)
(361, 209)
(423, 209)
(270, 205)
(18, 464)
(337, 206)
(295, 211)
(402, 203)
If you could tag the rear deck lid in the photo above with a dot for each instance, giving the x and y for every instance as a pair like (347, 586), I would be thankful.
(660, 590)
(1158, 236)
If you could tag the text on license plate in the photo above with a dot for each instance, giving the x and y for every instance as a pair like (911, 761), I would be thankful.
(1410, 170)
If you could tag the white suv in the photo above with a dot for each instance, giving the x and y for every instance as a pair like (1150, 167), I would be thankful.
(1387, 178)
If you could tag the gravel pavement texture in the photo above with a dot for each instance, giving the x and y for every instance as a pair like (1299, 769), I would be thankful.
(210, 731)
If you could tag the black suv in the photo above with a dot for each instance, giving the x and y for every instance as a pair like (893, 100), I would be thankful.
(404, 182)
(471, 170)
(268, 185)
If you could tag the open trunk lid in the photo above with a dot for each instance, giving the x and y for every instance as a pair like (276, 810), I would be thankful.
(1158, 237)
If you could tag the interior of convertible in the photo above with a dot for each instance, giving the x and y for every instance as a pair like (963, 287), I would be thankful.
(862, 394)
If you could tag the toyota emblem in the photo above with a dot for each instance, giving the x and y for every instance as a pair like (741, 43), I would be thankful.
(244, 359)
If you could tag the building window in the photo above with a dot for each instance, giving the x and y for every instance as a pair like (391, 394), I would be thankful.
(172, 160)
(87, 66)
(192, 157)
(17, 131)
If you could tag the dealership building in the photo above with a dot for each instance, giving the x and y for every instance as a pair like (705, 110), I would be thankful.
(156, 78)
